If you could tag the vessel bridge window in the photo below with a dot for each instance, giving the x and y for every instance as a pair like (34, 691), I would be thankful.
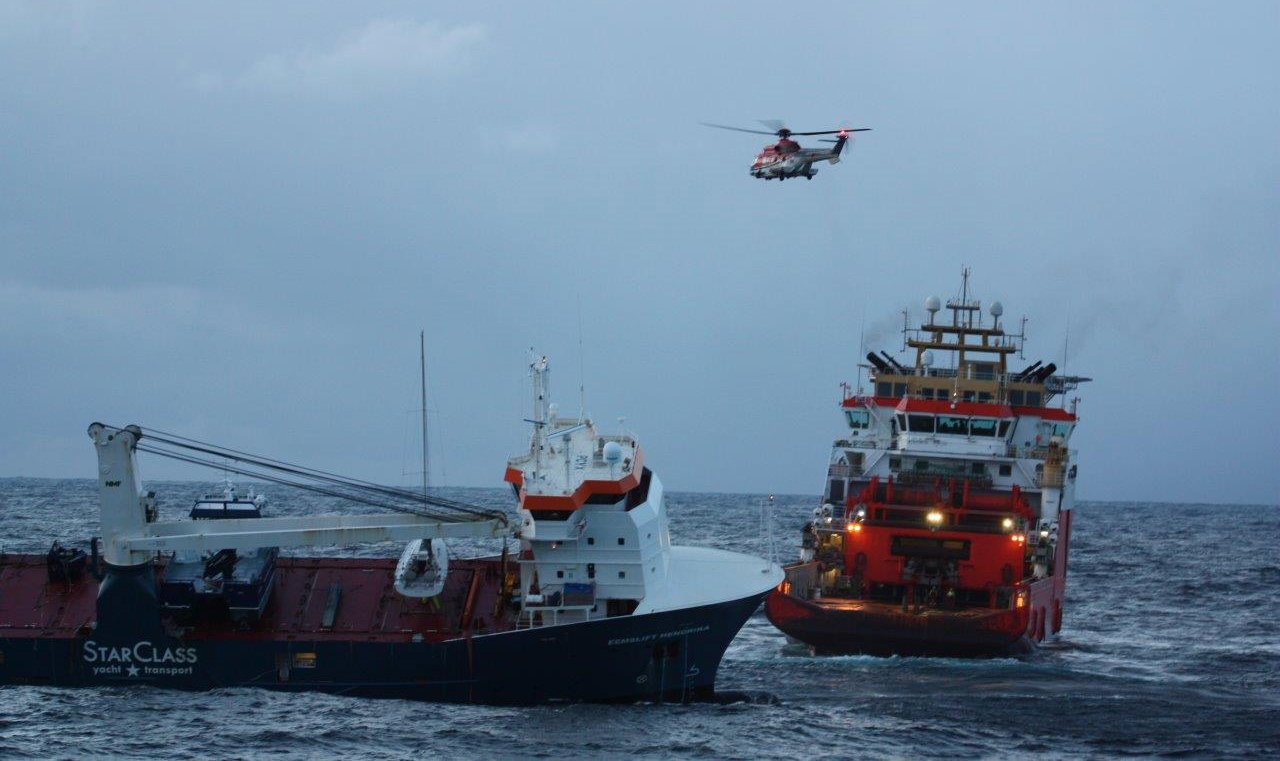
(1016, 397)
(899, 390)
(982, 427)
(1004, 428)
(926, 393)
(884, 388)
(920, 423)
(858, 419)
(1033, 398)
(949, 424)
(1062, 429)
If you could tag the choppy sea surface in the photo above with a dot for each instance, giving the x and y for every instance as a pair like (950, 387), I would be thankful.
(1170, 647)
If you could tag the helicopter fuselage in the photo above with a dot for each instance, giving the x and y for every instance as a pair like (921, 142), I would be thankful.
(785, 160)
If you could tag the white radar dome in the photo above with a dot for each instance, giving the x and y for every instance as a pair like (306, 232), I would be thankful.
(927, 359)
(996, 309)
(553, 410)
(612, 452)
(932, 304)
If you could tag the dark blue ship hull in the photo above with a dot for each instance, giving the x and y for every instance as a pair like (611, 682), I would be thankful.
(669, 656)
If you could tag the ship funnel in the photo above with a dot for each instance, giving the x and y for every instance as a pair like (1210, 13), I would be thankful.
(1044, 372)
(876, 362)
(1027, 371)
(894, 362)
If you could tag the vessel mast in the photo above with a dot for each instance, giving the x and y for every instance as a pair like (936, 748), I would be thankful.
(422, 358)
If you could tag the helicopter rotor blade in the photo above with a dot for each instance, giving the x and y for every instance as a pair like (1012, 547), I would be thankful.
(774, 124)
(834, 131)
(736, 129)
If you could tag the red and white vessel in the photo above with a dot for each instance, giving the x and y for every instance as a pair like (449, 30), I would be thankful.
(946, 518)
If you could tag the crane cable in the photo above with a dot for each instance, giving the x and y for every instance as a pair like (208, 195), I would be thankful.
(356, 490)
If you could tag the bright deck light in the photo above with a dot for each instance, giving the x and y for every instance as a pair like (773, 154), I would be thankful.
(934, 517)
(1007, 523)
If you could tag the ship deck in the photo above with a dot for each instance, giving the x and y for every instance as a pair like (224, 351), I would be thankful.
(303, 605)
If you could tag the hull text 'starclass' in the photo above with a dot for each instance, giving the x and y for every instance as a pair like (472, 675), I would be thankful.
(946, 516)
(597, 604)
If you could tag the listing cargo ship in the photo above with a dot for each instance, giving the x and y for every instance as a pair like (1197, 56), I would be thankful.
(946, 516)
(595, 605)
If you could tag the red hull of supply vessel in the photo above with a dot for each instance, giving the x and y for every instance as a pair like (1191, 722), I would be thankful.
(946, 517)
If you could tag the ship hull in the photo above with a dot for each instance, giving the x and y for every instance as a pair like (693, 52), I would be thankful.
(48, 637)
(848, 627)
(672, 655)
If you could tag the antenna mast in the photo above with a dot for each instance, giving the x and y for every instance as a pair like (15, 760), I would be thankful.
(422, 357)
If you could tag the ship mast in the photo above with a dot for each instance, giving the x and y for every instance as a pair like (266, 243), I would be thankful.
(422, 357)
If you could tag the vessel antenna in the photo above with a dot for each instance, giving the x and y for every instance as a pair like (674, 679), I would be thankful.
(422, 361)
(582, 373)
(862, 345)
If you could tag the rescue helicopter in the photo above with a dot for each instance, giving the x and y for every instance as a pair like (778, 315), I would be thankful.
(786, 158)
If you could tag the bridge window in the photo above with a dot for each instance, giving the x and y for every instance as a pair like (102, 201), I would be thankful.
(943, 394)
(1062, 429)
(948, 424)
(982, 427)
(968, 396)
(920, 423)
(1006, 469)
(1016, 398)
(984, 397)
(1004, 428)
(899, 390)
(858, 418)
(926, 393)
(1033, 398)
(884, 388)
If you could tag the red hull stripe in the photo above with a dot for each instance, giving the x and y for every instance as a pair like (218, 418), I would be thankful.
(959, 408)
(1048, 413)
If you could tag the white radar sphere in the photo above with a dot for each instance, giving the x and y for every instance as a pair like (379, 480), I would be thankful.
(933, 304)
(612, 452)
(553, 410)
(927, 359)
(996, 309)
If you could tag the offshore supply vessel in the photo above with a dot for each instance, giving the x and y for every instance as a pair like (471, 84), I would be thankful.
(946, 516)
(596, 604)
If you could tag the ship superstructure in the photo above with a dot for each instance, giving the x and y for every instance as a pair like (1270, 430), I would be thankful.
(946, 512)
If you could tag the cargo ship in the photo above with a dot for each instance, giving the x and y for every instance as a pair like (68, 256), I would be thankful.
(946, 516)
(593, 604)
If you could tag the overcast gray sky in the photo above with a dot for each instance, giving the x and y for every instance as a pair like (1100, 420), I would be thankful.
(230, 220)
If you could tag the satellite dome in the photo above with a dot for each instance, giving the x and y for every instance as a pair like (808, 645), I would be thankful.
(612, 452)
(927, 359)
(553, 410)
(932, 304)
(996, 309)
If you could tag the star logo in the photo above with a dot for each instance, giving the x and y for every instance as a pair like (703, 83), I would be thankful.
(133, 670)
